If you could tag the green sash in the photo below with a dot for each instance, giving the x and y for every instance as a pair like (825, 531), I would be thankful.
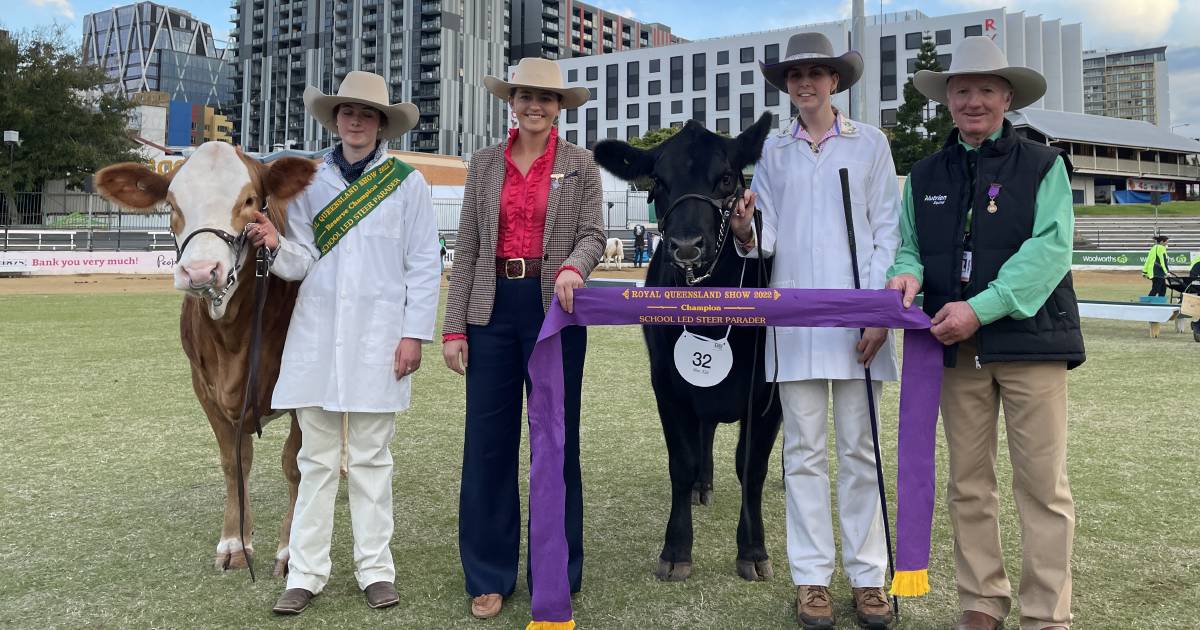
(356, 202)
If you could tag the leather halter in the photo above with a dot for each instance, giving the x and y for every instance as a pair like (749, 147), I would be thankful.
(724, 207)
(237, 244)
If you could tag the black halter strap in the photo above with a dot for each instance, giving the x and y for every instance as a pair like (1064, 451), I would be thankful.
(724, 207)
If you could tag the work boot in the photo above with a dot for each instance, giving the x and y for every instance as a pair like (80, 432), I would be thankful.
(486, 606)
(814, 608)
(975, 620)
(293, 601)
(872, 608)
(381, 594)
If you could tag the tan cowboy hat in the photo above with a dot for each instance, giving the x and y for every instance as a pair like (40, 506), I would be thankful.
(536, 73)
(981, 55)
(364, 88)
(815, 49)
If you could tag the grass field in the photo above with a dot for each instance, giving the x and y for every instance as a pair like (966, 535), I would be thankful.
(110, 492)
(1174, 208)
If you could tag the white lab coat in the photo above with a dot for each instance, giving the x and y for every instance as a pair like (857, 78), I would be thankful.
(804, 228)
(379, 284)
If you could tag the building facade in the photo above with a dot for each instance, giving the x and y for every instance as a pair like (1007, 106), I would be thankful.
(717, 81)
(560, 29)
(431, 52)
(1131, 84)
(148, 47)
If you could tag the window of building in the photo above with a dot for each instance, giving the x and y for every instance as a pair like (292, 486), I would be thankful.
(942, 37)
(654, 88)
(747, 77)
(944, 61)
(973, 31)
(632, 132)
(592, 72)
(723, 125)
(771, 53)
(631, 110)
(611, 133)
(632, 79)
(676, 75)
(654, 65)
(676, 107)
(747, 54)
(887, 118)
(723, 92)
(698, 111)
(573, 137)
(770, 95)
(887, 68)
(592, 94)
(722, 57)
(611, 97)
(572, 75)
(699, 70)
(590, 127)
(653, 116)
(912, 65)
(912, 41)
(888, 92)
(747, 110)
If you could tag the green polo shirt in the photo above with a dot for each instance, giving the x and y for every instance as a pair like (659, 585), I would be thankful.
(1027, 278)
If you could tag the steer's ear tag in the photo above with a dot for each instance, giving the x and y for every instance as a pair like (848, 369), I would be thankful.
(701, 361)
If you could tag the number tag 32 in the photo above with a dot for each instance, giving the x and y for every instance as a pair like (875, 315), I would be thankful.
(701, 361)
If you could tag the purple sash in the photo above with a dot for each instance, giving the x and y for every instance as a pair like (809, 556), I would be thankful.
(841, 308)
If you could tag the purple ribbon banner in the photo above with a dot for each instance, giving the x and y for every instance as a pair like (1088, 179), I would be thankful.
(840, 308)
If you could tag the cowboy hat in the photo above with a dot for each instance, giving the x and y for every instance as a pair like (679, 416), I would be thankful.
(364, 88)
(981, 55)
(536, 73)
(815, 49)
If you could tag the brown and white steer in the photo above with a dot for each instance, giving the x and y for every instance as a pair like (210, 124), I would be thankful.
(219, 188)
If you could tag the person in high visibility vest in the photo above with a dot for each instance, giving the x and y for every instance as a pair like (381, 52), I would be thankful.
(1156, 268)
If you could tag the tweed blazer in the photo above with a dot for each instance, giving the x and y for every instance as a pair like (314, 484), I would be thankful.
(574, 232)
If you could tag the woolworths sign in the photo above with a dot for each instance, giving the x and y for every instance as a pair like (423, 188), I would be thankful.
(1135, 260)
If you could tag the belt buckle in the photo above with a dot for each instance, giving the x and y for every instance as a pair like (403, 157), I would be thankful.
(509, 264)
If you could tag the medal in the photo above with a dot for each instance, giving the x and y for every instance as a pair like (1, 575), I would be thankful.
(993, 192)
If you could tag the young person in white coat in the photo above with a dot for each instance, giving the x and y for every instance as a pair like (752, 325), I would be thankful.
(797, 188)
(365, 306)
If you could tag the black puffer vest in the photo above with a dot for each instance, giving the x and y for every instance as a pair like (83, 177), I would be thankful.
(942, 192)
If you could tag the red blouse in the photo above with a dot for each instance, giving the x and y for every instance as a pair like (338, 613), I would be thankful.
(523, 199)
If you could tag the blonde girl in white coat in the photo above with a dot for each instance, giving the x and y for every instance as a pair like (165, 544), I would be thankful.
(797, 188)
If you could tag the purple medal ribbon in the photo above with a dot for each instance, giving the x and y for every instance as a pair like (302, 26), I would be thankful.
(839, 308)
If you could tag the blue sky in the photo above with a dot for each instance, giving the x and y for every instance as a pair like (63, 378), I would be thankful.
(1106, 23)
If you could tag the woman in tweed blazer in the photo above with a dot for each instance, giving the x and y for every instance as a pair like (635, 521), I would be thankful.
(530, 229)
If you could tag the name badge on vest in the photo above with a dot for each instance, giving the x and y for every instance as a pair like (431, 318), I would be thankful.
(701, 361)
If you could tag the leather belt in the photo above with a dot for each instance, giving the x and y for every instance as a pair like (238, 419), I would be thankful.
(518, 268)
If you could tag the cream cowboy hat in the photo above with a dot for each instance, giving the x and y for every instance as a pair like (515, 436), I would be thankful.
(536, 73)
(981, 55)
(364, 88)
(816, 49)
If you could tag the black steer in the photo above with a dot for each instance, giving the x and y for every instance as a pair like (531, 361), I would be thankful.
(688, 170)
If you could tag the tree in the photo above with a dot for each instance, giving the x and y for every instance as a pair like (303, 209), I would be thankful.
(920, 129)
(654, 137)
(69, 126)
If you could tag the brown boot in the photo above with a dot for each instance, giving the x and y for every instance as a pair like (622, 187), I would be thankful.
(293, 601)
(872, 608)
(814, 608)
(487, 606)
(975, 620)
(381, 595)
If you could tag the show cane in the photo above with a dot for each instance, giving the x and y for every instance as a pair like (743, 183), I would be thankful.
(844, 174)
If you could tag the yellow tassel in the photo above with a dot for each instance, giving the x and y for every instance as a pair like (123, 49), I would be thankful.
(551, 625)
(910, 583)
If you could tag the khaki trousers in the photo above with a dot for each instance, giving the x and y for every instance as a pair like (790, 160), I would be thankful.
(1034, 395)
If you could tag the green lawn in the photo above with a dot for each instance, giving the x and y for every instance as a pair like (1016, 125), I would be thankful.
(110, 491)
(1172, 209)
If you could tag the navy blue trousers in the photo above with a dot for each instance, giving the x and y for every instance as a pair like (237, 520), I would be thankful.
(489, 505)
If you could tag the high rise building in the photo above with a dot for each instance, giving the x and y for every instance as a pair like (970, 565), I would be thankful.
(149, 47)
(1130, 84)
(431, 52)
(558, 29)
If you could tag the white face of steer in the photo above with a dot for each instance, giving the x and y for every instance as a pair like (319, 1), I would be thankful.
(217, 188)
(212, 190)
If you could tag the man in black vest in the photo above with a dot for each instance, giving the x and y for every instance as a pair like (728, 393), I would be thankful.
(987, 225)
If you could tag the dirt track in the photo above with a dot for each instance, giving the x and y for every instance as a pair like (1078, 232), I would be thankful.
(104, 283)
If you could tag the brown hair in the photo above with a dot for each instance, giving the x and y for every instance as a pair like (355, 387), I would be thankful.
(382, 116)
